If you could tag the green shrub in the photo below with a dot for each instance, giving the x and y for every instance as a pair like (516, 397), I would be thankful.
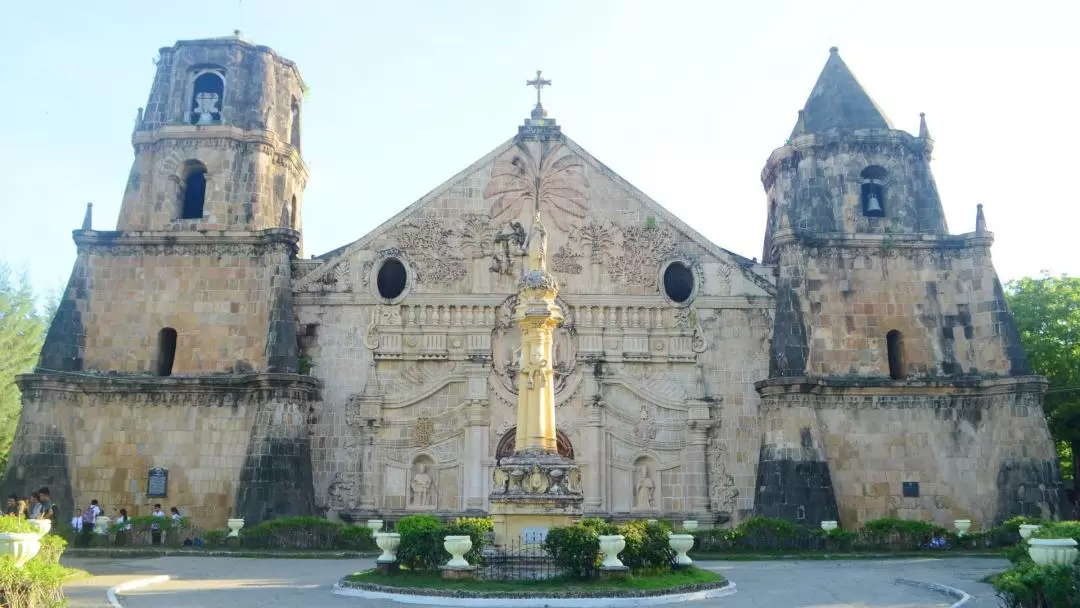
(1027, 585)
(647, 548)
(292, 533)
(52, 547)
(12, 524)
(1061, 529)
(839, 540)
(767, 533)
(421, 545)
(355, 538)
(212, 539)
(575, 549)
(902, 534)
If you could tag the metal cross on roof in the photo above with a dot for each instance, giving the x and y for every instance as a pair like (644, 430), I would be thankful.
(539, 83)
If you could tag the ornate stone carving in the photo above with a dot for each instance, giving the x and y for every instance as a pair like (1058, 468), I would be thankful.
(722, 490)
(429, 244)
(423, 432)
(596, 236)
(544, 177)
(508, 245)
(644, 488)
(643, 248)
(688, 318)
(344, 491)
(151, 250)
(506, 352)
(477, 236)
(566, 261)
(384, 316)
(646, 428)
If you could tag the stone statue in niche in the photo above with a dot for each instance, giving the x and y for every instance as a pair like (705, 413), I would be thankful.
(643, 493)
(423, 487)
(645, 429)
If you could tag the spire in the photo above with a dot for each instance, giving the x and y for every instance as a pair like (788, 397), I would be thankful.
(924, 132)
(838, 101)
(88, 219)
(980, 220)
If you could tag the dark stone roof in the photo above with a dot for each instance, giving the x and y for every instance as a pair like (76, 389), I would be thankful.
(838, 101)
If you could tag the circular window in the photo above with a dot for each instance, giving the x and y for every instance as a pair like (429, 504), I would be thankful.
(678, 282)
(391, 279)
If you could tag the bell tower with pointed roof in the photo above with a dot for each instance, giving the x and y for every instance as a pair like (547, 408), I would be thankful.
(886, 326)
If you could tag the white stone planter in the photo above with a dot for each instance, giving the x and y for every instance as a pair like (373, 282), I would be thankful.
(457, 547)
(962, 526)
(388, 542)
(235, 525)
(375, 525)
(43, 525)
(681, 543)
(101, 525)
(689, 526)
(1026, 530)
(610, 546)
(829, 525)
(1052, 550)
(20, 545)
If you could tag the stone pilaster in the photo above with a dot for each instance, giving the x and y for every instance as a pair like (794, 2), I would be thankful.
(696, 462)
(593, 453)
(477, 422)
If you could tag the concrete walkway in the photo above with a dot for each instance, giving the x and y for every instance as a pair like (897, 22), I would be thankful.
(258, 583)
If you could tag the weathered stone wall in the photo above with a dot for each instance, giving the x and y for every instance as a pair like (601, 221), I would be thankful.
(224, 441)
(227, 296)
(941, 293)
(979, 451)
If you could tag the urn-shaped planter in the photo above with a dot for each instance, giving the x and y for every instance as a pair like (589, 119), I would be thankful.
(43, 525)
(20, 545)
(1026, 530)
(101, 525)
(388, 542)
(1052, 550)
(829, 525)
(375, 525)
(457, 547)
(235, 525)
(962, 526)
(689, 526)
(681, 543)
(610, 546)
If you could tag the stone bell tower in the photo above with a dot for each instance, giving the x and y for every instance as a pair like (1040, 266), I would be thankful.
(187, 303)
(897, 383)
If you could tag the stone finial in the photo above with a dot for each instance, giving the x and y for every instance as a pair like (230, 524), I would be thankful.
(924, 132)
(88, 219)
(800, 125)
(980, 219)
(138, 119)
(833, 50)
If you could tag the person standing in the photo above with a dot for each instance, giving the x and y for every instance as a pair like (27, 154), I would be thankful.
(155, 528)
(35, 506)
(48, 508)
(77, 522)
(12, 505)
(123, 530)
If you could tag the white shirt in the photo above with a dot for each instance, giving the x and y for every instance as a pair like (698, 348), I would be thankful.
(77, 523)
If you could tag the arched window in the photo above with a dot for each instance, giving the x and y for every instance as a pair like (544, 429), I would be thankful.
(294, 214)
(166, 353)
(505, 447)
(894, 341)
(207, 94)
(294, 125)
(194, 196)
(873, 191)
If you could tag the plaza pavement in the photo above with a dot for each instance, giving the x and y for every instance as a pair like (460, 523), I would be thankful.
(201, 582)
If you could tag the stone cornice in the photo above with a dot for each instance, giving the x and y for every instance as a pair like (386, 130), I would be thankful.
(574, 301)
(842, 240)
(183, 132)
(814, 143)
(235, 41)
(883, 386)
(224, 389)
(184, 243)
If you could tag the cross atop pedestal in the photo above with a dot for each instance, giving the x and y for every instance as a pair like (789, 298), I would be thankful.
(539, 82)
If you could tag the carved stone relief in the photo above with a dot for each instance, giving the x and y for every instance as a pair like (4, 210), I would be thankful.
(423, 431)
(430, 246)
(541, 176)
(506, 353)
(722, 490)
(344, 491)
(646, 428)
(643, 248)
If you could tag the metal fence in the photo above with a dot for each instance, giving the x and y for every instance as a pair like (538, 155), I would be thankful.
(517, 561)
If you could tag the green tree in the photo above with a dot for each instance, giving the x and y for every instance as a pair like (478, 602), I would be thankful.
(1047, 314)
(22, 331)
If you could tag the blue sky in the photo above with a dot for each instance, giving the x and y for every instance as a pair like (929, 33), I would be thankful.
(684, 99)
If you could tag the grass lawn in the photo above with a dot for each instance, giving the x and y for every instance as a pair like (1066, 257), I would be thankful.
(434, 580)
(744, 556)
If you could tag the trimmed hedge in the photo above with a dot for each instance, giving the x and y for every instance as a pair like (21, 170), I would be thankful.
(576, 549)
(422, 539)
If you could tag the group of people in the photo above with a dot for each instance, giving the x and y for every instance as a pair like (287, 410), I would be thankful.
(38, 505)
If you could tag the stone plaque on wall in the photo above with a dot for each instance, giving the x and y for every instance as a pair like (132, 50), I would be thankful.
(911, 489)
(157, 483)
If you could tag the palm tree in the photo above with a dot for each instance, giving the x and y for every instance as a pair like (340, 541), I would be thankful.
(553, 180)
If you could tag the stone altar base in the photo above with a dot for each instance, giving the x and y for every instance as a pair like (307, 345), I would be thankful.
(539, 490)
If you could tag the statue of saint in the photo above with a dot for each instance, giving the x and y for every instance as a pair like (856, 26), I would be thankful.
(421, 487)
(537, 245)
(644, 493)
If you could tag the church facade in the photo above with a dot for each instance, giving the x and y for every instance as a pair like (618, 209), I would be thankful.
(866, 367)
